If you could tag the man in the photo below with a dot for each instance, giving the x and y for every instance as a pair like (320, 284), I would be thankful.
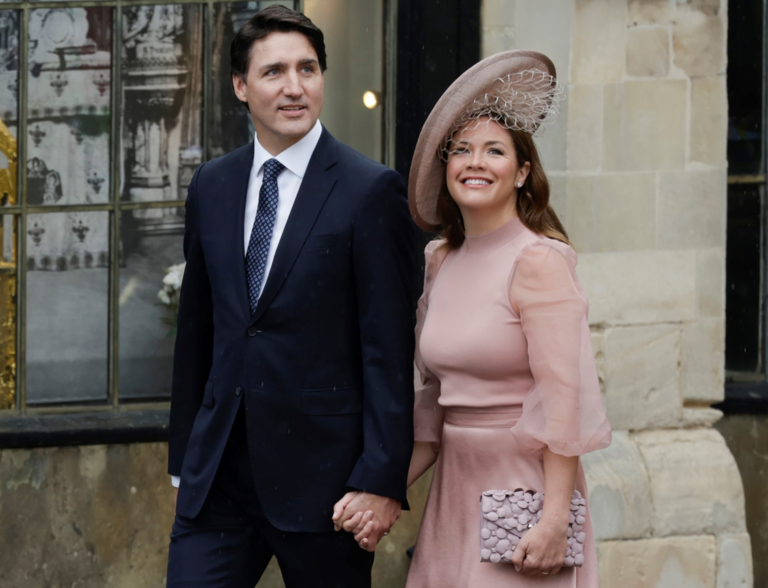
(292, 387)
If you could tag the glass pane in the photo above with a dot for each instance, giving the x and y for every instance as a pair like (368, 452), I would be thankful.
(9, 104)
(743, 290)
(67, 306)
(151, 244)
(231, 125)
(745, 87)
(162, 100)
(354, 43)
(8, 241)
(69, 105)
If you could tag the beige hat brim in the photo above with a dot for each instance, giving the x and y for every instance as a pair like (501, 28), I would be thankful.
(426, 168)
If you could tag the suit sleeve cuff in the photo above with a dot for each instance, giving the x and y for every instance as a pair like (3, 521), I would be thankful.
(176, 481)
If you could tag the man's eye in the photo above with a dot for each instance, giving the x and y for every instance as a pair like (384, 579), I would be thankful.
(308, 69)
(273, 72)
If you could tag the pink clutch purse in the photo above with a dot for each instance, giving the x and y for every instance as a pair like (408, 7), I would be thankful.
(505, 516)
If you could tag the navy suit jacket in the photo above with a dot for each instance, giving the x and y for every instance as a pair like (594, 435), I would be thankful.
(324, 366)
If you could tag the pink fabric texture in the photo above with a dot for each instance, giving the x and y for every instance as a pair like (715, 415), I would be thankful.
(507, 325)
(505, 357)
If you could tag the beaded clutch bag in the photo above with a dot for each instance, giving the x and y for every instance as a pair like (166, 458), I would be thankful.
(506, 515)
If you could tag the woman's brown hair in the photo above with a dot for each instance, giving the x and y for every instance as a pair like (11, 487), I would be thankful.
(532, 199)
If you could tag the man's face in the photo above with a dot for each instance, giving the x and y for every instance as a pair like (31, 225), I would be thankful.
(283, 88)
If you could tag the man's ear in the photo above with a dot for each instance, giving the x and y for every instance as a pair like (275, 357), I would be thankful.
(239, 85)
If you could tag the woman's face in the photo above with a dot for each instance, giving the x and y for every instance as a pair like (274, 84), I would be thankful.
(482, 168)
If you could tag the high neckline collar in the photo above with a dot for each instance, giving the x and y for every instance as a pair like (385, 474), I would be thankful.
(496, 238)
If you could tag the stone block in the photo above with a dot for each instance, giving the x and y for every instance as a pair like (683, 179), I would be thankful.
(695, 484)
(691, 209)
(642, 379)
(585, 127)
(703, 369)
(598, 349)
(612, 212)
(619, 496)
(648, 52)
(644, 125)
(709, 120)
(552, 143)
(639, 286)
(734, 561)
(698, 38)
(701, 416)
(674, 562)
(710, 282)
(557, 196)
(599, 41)
(86, 516)
(498, 13)
(648, 12)
(545, 26)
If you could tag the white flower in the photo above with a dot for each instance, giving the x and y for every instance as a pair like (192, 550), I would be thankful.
(173, 277)
(163, 296)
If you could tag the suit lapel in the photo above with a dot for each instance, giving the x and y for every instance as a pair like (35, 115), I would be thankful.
(315, 187)
(240, 178)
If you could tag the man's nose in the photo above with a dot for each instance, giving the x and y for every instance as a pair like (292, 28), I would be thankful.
(292, 86)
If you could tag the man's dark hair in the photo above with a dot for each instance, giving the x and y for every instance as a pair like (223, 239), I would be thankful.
(275, 18)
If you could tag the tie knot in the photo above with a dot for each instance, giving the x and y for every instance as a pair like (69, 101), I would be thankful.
(272, 169)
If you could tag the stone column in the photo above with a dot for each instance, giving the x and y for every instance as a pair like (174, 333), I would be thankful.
(637, 164)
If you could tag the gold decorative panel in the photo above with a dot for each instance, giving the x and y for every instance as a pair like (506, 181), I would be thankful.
(8, 243)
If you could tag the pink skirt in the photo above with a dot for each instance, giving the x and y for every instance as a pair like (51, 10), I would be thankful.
(480, 453)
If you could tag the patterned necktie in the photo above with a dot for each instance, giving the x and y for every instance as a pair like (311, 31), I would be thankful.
(261, 233)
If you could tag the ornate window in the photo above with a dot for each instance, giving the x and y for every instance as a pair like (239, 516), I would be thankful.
(105, 112)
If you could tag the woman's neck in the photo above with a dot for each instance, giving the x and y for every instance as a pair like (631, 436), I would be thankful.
(480, 222)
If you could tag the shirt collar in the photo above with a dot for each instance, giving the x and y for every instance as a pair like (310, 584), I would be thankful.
(295, 158)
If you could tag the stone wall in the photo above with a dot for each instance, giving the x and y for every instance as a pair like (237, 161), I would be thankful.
(638, 168)
(100, 516)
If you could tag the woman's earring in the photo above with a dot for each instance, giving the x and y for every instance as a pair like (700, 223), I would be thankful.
(519, 184)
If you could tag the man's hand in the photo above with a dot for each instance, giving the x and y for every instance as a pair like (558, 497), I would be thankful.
(368, 516)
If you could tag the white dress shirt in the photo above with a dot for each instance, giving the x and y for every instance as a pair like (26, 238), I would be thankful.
(296, 160)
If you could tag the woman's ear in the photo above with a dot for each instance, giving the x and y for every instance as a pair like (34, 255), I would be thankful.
(523, 172)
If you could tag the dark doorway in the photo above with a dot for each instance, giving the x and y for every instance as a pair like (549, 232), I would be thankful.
(437, 40)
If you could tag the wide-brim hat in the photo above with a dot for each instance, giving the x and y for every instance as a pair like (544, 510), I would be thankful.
(475, 86)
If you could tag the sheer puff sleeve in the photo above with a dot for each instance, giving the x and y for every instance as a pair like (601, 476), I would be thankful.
(428, 414)
(564, 410)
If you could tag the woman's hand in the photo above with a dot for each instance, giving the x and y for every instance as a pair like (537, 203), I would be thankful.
(363, 527)
(542, 549)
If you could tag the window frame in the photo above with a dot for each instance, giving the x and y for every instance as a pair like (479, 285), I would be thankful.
(108, 420)
(746, 392)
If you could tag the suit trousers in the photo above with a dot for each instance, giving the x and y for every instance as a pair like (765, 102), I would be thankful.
(231, 541)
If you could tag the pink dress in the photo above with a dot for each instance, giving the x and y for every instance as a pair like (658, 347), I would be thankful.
(505, 356)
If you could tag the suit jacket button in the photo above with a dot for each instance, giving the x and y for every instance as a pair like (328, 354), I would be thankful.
(251, 332)
(238, 391)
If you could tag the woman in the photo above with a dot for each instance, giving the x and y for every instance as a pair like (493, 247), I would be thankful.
(510, 396)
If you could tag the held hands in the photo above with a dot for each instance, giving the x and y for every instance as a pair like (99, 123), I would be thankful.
(368, 516)
(542, 549)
